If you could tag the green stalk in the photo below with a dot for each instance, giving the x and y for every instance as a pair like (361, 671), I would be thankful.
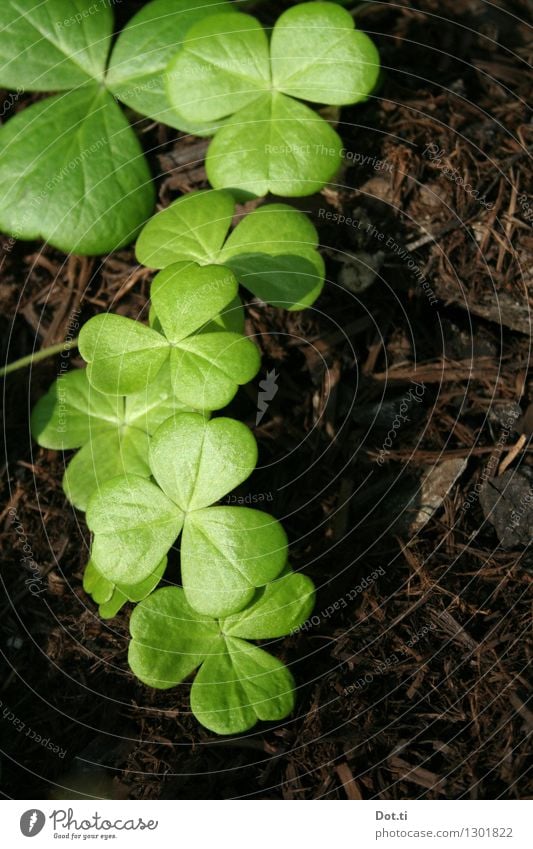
(31, 359)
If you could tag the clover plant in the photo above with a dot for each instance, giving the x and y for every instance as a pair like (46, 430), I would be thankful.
(270, 141)
(272, 250)
(226, 552)
(206, 362)
(110, 431)
(237, 682)
(152, 464)
(72, 170)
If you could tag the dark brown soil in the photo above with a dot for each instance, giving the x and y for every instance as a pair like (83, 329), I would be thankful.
(413, 675)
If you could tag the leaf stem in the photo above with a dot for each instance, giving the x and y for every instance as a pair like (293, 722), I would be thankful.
(36, 357)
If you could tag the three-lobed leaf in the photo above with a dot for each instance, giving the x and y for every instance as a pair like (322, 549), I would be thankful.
(206, 368)
(272, 250)
(237, 682)
(269, 141)
(226, 552)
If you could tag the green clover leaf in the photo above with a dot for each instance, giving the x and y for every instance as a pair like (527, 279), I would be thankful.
(223, 548)
(134, 525)
(237, 682)
(72, 170)
(269, 141)
(138, 63)
(197, 462)
(272, 250)
(111, 597)
(41, 51)
(226, 552)
(73, 173)
(206, 368)
(110, 431)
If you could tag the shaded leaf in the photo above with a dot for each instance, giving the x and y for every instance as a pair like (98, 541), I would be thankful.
(72, 412)
(111, 430)
(96, 585)
(273, 253)
(116, 452)
(112, 597)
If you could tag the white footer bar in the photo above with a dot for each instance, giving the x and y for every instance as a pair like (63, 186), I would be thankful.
(256, 825)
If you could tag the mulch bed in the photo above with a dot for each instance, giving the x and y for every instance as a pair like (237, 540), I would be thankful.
(412, 675)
